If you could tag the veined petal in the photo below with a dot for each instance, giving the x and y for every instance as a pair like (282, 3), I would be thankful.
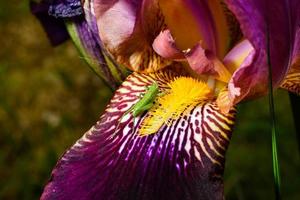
(128, 29)
(184, 160)
(262, 21)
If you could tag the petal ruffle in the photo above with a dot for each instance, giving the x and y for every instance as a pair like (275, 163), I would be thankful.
(84, 33)
(65, 8)
(200, 60)
(128, 29)
(182, 161)
(261, 22)
(54, 27)
(165, 46)
(205, 62)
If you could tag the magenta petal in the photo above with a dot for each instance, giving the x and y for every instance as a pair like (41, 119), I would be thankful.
(181, 161)
(259, 19)
(164, 45)
(295, 26)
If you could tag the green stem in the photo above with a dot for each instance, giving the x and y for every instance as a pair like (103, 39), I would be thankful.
(276, 170)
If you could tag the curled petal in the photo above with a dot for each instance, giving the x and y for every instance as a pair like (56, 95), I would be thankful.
(128, 29)
(235, 58)
(205, 62)
(240, 58)
(184, 160)
(165, 46)
(263, 24)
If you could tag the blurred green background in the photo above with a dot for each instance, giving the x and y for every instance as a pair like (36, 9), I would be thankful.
(49, 98)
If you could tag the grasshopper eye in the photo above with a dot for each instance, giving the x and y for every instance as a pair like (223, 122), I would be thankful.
(148, 87)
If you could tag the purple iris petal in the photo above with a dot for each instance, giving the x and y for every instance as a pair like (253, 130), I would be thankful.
(262, 21)
(90, 46)
(181, 161)
(295, 23)
(201, 11)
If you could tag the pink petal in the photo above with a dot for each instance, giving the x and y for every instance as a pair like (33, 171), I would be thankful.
(165, 46)
(128, 29)
(116, 20)
(205, 62)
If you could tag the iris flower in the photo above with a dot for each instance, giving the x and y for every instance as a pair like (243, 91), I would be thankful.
(206, 57)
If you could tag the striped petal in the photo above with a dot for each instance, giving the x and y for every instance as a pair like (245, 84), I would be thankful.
(84, 33)
(128, 29)
(184, 160)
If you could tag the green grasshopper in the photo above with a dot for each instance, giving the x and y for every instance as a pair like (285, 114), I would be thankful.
(145, 102)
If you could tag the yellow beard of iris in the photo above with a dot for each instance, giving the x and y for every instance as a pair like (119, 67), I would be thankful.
(184, 94)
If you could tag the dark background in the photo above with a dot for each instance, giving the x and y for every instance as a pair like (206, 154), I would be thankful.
(49, 98)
